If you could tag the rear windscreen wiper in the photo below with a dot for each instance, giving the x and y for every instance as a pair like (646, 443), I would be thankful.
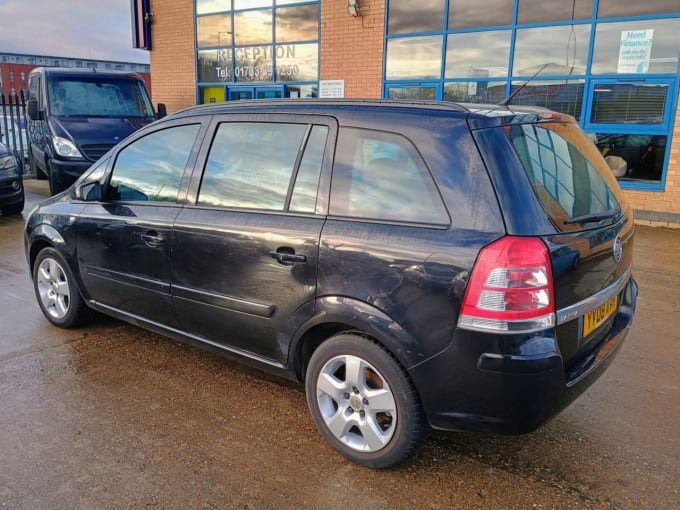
(594, 217)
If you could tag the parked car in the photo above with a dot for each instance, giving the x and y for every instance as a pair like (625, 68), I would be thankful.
(11, 183)
(13, 136)
(412, 263)
(76, 116)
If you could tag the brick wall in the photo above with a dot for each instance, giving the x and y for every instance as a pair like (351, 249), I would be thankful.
(352, 47)
(173, 59)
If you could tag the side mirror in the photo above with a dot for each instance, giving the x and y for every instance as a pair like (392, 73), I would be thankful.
(91, 192)
(32, 110)
(162, 111)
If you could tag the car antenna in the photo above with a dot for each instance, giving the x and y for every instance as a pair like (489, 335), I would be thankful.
(506, 101)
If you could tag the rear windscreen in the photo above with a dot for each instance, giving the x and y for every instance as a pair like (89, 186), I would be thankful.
(98, 96)
(567, 173)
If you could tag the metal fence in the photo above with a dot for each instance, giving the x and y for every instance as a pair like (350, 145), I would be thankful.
(13, 127)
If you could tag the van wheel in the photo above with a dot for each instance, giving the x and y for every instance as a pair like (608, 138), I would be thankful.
(33, 163)
(363, 403)
(57, 291)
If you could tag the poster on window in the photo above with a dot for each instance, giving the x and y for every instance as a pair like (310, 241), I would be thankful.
(634, 51)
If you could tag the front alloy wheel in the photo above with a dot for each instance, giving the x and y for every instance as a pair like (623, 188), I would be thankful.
(363, 402)
(57, 291)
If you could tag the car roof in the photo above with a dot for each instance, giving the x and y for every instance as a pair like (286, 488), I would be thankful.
(89, 72)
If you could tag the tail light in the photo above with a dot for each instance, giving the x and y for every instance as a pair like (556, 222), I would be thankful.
(510, 289)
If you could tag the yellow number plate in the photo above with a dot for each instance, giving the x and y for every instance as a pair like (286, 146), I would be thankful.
(594, 318)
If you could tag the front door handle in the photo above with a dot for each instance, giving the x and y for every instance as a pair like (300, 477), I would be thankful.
(287, 256)
(153, 239)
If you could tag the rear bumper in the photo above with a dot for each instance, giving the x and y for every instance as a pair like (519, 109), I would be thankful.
(492, 383)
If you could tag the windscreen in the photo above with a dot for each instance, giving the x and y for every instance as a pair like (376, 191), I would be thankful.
(98, 96)
(567, 173)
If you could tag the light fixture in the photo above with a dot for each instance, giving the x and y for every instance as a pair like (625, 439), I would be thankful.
(353, 7)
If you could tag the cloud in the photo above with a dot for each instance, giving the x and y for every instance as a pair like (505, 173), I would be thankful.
(70, 28)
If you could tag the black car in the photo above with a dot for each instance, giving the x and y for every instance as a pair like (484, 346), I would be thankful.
(11, 183)
(417, 265)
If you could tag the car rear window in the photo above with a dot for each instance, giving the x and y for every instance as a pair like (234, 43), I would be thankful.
(567, 173)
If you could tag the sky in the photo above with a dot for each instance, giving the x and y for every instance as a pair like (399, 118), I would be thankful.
(96, 29)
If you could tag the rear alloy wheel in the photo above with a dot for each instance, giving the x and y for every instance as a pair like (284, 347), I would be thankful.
(363, 402)
(57, 292)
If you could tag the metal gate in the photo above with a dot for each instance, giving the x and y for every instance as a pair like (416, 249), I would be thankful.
(13, 126)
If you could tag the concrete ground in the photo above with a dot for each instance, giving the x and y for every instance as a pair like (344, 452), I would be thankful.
(111, 416)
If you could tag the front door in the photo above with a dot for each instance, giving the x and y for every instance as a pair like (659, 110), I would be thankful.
(245, 255)
(414, 91)
(124, 242)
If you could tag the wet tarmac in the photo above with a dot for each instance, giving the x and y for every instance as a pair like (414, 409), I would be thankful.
(112, 416)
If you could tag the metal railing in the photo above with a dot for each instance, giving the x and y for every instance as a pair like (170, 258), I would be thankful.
(13, 127)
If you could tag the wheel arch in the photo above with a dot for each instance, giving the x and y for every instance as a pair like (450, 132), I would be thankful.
(335, 314)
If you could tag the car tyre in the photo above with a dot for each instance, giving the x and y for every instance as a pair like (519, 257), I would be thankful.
(57, 292)
(363, 402)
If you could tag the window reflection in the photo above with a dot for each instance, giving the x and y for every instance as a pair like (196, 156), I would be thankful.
(620, 9)
(254, 63)
(151, 168)
(473, 13)
(560, 96)
(404, 17)
(414, 58)
(665, 45)
(381, 176)
(253, 27)
(478, 54)
(489, 92)
(252, 4)
(207, 6)
(564, 49)
(297, 62)
(297, 23)
(541, 11)
(250, 165)
(215, 65)
(213, 30)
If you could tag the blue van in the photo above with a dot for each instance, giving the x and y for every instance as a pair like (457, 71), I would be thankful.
(76, 116)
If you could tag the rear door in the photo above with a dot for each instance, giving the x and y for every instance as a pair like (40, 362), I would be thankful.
(246, 250)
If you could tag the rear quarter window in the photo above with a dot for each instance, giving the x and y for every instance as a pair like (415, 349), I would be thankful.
(381, 176)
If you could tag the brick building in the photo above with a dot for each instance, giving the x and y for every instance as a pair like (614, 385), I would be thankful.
(14, 68)
(612, 64)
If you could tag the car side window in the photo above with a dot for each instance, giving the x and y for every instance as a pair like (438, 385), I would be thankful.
(381, 176)
(250, 165)
(151, 168)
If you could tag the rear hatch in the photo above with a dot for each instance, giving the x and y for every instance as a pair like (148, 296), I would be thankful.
(553, 183)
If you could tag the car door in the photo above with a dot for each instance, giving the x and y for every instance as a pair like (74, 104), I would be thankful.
(124, 240)
(245, 251)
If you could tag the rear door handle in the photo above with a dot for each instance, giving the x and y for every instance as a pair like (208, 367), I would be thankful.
(287, 256)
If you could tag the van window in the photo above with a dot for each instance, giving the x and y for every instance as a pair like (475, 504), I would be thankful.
(151, 168)
(251, 164)
(98, 96)
(381, 176)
